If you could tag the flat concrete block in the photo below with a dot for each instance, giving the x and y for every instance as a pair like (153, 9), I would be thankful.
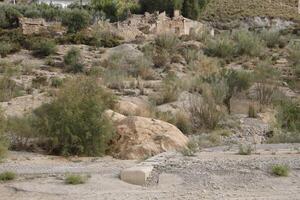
(136, 175)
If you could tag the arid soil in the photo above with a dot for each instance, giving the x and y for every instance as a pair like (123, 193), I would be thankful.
(214, 173)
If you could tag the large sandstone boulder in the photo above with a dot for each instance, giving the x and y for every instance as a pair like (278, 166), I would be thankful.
(140, 137)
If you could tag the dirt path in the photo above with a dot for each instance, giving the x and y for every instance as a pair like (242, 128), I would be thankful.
(216, 173)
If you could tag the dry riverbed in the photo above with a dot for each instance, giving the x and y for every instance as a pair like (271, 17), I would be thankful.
(214, 173)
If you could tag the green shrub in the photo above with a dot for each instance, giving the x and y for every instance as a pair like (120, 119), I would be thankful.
(190, 149)
(168, 42)
(190, 55)
(205, 112)
(251, 111)
(169, 91)
(294, 53)
(56, 82)
(75, 179)
(9, 16)
(221, 46)
(21, 130)
(76, 20)
(74, 123)
(280, 170)
(3, 141)
(8, 88)
(72, 60)
(288, 115)
(266, 78)
(248, 43)
(44, 47)
(7, 176)
(245, 149)
(5, 48)
(272, 38)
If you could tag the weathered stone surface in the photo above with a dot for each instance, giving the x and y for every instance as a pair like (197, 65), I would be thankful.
(114, 116)
(136, 175)
(140, 137)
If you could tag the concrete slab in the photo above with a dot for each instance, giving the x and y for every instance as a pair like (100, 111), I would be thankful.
(136, 175)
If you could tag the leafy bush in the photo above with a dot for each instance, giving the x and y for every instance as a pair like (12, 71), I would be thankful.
(248, 43)
(76, 20)
(72, 60)
(9, 16)
(74, 123)
(7, 176)
(245, 149)
(44, 47)
(280, 170)
(75, 179)
(5, 48)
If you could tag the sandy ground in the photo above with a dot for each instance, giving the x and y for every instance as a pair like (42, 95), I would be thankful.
(215, 173)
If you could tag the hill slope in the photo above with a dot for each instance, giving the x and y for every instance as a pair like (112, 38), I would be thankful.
(233, 9)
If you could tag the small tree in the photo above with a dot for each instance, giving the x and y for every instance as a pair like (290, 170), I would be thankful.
(76, 20)
(74, 123)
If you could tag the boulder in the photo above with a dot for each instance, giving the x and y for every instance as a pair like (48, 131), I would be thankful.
(140, 137)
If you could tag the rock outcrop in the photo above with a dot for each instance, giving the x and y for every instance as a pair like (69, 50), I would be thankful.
(140, 137)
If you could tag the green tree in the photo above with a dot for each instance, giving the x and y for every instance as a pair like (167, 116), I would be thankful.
(192, 8)
(167, 5)
(75, 123)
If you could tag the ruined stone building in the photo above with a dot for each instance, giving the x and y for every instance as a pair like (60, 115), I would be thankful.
(156, 23)
(32, 26)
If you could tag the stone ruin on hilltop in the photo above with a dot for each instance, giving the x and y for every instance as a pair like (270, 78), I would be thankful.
(31, 26)
(156, 23)
(136, 26)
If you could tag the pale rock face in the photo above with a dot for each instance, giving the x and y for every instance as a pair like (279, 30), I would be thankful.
(114, 116)
(140, 137)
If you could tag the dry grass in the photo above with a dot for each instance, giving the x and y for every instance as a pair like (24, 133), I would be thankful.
(233, 9)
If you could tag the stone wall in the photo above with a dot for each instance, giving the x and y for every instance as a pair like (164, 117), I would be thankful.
(37, 26)
(31, 26)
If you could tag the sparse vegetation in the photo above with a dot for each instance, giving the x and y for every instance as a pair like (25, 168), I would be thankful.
(191, 148)
(7, 176)
(3, 140)
(73, 61)
(245, 149)
(252, 111)
(280, 170)
(74, 179)
(43, 48)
